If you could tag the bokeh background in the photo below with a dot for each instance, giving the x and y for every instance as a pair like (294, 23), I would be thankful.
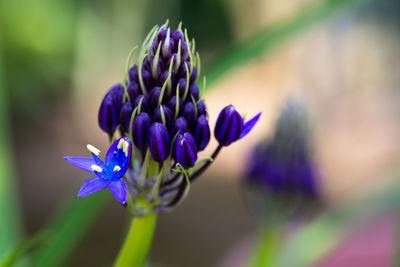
(58, 58)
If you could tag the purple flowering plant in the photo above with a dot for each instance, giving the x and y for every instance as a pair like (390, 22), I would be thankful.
(283, 180)
(161, 119)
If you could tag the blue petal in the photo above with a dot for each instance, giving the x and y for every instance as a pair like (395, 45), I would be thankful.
(118, 189)
(91, 186)
(104, 174)
(116, 156)
(82, 163)
(249, 125)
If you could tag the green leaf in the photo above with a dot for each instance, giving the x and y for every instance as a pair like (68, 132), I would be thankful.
(10, 226)
(23, 248)
(322, 235)
(263, 42)
(68, 228)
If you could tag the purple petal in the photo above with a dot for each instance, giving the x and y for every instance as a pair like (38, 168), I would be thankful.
(91, 186)
(118, 189)
(249, 125)
(82, 163)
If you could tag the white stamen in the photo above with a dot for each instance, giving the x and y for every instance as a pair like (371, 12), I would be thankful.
(117, 168)
(96, 168)
(126, 148)
(120, 143)
(93, 149)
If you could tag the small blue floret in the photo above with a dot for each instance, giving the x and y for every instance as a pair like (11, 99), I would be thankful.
(109, 173)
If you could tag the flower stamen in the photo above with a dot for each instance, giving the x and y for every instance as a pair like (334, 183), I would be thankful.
(96, 168)
(117, 168)
(126, 148)
(120, 143)
(93, 149)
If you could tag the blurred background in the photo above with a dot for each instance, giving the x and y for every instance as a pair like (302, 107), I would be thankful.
(58, 59)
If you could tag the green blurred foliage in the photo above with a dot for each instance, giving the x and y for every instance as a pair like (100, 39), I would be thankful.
(38, 39)
(208, 21)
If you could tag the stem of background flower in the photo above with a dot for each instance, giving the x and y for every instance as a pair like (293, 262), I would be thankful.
(138, 241)
(266, 246)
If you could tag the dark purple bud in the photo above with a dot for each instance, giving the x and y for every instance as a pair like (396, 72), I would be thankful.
(108, 115)
(172, 104)
(153, 48)
(167, 48)
(145, 103)
(194, 91)
(133, 74)
(154, 96)
(164, 77)
(229, 126)
(180, 126)
(184, 51)
(201, 108)
(162, 34)
(147, 78)
(117, 94)
(159, 142)
(202, 132)
(177, 35)
(133, 90)
(193, 75)
(182, 86)
(175, 65)
(159, 68)
(125, 116)
(182, 69)
(146, 64)
(140, 128)
(189, 112)
(185, 151)
(167, 115)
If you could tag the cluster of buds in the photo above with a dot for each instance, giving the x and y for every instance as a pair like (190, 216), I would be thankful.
(159, 109)
(281, 169)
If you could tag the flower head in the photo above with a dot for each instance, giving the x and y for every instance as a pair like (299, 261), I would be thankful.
(160, 88)
(108, 173)
(159, 107)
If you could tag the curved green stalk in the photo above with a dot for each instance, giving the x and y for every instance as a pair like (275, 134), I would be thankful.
(269, 38)
(138, 242)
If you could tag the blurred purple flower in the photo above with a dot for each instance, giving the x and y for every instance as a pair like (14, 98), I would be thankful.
(282, 168)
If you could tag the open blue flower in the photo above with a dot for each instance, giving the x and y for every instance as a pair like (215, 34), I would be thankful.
(109, 173)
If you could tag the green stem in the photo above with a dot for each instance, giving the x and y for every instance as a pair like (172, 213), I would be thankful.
(138, 241)
(266, 246)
